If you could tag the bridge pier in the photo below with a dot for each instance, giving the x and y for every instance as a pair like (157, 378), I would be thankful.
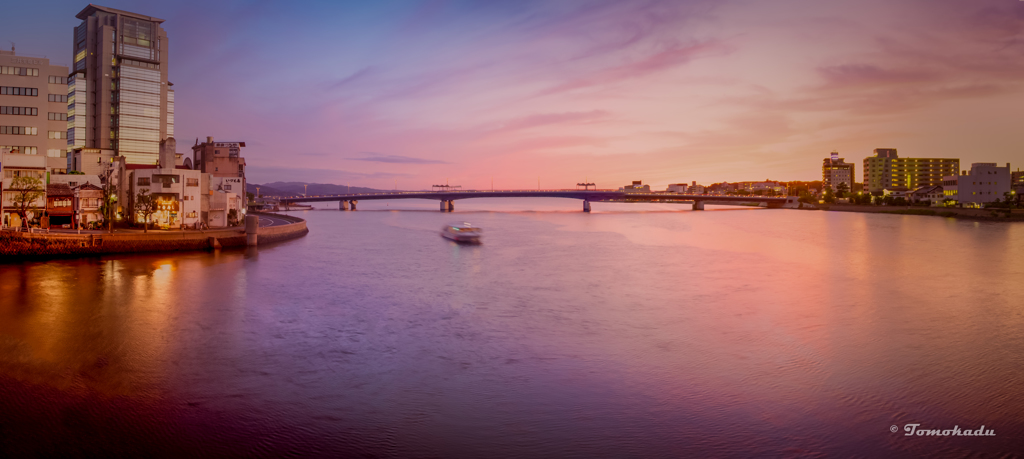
(353, 204)
(451, 206)
(342, 205)
(698, 205)
(586, 205)
(444, 206)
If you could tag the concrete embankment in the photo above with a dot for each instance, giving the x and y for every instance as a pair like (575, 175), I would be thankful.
(15, 245)
(991, 214)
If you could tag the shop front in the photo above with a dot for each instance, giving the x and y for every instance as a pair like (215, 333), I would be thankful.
(167, 210)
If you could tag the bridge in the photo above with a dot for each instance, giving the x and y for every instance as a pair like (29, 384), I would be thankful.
(447, 198)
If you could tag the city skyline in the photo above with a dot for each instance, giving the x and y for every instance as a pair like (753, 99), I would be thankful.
(411, 93)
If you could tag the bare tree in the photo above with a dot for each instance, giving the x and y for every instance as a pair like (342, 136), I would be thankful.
(27, 190)
(145, 205)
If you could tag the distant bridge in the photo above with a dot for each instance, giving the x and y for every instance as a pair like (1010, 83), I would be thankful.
(447, 198)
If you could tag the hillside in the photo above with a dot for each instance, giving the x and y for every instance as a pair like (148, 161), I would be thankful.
(296, 188)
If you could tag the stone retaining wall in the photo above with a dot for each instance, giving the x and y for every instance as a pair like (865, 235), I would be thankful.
(17, 245)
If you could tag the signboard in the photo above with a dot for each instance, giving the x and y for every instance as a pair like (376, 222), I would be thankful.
(234, 148)
(835, 156)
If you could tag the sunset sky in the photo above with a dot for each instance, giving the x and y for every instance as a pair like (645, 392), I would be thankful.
(413, 93)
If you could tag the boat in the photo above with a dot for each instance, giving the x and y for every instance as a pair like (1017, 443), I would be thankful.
(464, 232)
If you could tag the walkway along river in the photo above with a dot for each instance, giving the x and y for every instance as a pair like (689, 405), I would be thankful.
(65, 244)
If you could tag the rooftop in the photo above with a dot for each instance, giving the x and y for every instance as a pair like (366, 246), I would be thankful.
(91, 9)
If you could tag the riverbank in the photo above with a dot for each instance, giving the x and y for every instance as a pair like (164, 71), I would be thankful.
(1017, 215)
(22, 245)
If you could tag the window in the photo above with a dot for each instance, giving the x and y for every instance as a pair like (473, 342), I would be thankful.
(27, 111)
(227, 187)
(192, 182)
(56, 153)
(57, 98)
(23, 71)
(9, 173)
(58, 80)
(143, 181)
(18, 130)
(19, 91)
(135, 63)
(57, 135)
(21, 150)
(57, 116)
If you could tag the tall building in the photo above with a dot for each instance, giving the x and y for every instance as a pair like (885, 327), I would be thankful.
(834, 170)
(887, 171)
(119, 98)
(33, 108)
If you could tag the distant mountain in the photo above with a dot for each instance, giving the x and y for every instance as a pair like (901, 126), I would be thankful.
(297, 188)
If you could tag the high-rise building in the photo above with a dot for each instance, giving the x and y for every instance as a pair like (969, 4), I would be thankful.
(887, 171)
(119, 98)
(834, 170)
(33, 108)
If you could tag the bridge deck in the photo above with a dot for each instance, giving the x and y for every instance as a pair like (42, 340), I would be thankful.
(593, 195)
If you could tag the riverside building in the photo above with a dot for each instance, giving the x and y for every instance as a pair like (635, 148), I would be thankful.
(834, 170)
(176, 190)
(887, 171)
(33, 108)
(223, 170)
(119, 98)
(985, 182)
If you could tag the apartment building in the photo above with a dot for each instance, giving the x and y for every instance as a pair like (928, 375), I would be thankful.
(887, 171)
(984, 182)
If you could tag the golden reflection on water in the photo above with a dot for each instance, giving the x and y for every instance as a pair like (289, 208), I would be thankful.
(92, 322)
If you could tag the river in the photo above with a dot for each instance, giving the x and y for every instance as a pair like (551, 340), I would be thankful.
(639, 330)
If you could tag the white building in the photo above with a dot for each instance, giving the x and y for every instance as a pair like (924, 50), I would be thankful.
(985, 182)
(677, 188)
(176, 189)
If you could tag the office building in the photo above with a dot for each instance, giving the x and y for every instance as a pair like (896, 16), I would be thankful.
(33, 108)
(119, 98)
(834, 170)
(887, 171)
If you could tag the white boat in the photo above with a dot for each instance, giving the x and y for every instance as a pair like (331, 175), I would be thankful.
(462, 233)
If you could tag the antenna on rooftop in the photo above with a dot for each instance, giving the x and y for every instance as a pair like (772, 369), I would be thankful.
(12, 46)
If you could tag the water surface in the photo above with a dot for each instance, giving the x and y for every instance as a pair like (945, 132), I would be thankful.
(639, 330)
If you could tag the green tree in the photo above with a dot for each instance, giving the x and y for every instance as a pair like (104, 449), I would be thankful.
(145, 205)
(233, 217)
(26, 191)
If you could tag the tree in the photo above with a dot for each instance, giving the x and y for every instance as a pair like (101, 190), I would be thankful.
(145, 205)
(233, 217)
(842, 189)
(252, 198)
(26, 191)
